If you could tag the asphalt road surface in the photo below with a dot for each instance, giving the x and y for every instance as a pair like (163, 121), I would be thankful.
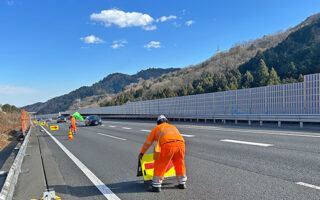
(223, 162)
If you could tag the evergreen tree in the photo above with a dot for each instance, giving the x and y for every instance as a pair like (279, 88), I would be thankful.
(301, 78)
(292, 70)
(274, 79)
(247, 80)
(190, 89)
(262, 74)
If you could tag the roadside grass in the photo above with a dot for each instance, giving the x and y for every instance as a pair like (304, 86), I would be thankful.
(9, 128)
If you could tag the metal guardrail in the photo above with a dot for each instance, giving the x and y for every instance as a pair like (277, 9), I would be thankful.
(12, 177)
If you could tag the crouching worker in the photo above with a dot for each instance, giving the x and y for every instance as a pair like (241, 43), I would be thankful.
(172, 149)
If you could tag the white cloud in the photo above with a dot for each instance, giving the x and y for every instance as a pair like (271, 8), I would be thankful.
(91, 39)
(10, 2)
(118, 43)
(164, 18)
(150, 28)
(152, 44)
(7, 89)
(190, 22)
(124, 19)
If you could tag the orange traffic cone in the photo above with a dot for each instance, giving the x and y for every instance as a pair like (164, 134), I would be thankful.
(47, 125)
(70, 135)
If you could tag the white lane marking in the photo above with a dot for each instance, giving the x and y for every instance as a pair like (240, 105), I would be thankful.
(93, 178)
(144, 130)
(112, 126)
(249, 143)
(308, 185)
(111, 136)
(102, 125)
(126, 128)
(269, 132)
(184, 135)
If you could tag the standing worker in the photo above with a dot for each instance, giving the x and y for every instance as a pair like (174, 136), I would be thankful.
(73, 124)
(172, 149)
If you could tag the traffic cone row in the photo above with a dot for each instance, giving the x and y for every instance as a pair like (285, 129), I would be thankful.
(70, 135)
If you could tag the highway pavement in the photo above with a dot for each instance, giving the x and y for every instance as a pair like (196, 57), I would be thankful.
(223, 162)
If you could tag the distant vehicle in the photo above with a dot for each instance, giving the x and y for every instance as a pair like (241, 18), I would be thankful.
(93, 120)
(61, 119)
(49, 120)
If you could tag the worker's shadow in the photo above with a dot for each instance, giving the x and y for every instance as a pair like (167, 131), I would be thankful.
(89, 191)
(117, 188)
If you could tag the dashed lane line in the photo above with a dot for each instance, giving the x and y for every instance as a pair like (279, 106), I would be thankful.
(112, 126)
(93, 178)
(144, 130)
(185, 135)
(245, 142)
(127, 128)
(111, 136)
(308, 185)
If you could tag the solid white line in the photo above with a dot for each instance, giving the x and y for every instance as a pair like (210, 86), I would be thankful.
(249, 143)
(112, 126)
(111, 136)
(93, 178)
(308, 185)
(145, 130)
(184, 135)
(126, 128)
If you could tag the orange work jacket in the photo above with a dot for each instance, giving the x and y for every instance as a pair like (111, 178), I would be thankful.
(167, 133)
(73, 121)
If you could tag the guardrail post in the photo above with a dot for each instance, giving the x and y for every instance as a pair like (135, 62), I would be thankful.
(197, 120)
(301, 124)
(205, 120)
(236, 121)
(214, 120)
(224, 121)
(249, 122)
(261, 122)
(279, 123)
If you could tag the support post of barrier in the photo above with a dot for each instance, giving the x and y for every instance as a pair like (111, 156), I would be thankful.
(261, 122)
(214, 120)
(236, 121)
(249, 122)
(224, 121)
(301, 124)
(205, 120)
(279, 123)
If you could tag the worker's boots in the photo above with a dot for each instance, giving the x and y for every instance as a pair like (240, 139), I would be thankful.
(182, 186)
(156, 189)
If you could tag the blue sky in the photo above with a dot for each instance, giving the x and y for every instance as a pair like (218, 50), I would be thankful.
(50, 47)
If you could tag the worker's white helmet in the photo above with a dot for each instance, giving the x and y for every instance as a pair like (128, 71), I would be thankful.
(161, 119)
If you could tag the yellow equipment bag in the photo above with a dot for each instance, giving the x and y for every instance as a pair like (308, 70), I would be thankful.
(147, 165)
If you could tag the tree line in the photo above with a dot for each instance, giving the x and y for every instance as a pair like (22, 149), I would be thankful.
(230, 79)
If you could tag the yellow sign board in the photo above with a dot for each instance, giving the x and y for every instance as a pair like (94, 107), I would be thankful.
(147, 166)
(43, 123)
(54, 128)
(35, 122)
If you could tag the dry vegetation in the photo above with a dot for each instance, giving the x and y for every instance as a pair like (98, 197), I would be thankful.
(9, 125)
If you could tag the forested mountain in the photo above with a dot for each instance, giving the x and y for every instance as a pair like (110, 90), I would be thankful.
(283, 57)
(298, 54)
(280, 58)
(111, 84)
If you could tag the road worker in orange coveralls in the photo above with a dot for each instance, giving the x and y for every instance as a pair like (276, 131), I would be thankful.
(73, 124)
(172, 148)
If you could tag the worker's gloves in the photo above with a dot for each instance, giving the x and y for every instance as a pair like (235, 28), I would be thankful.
(140, 156)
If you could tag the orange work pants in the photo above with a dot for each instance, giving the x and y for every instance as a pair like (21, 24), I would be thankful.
(173, 151)
(73, 128)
